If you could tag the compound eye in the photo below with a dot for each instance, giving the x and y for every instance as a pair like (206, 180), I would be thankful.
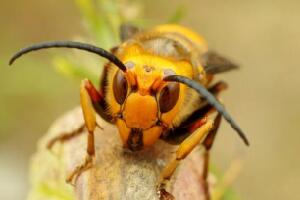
(120, 87)
(168, 97)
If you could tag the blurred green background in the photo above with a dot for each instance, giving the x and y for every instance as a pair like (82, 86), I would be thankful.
(263, 36)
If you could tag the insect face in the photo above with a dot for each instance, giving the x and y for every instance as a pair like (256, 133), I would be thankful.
(144, 104)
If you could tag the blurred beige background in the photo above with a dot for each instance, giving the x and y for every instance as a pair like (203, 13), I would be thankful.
(263, 36)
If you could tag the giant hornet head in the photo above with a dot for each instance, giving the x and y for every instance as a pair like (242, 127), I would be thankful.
(144, 92)
(143, 104)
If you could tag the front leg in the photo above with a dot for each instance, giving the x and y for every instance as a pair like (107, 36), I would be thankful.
(99, 105)
(191, 125)
(183, 150)
(89, 116)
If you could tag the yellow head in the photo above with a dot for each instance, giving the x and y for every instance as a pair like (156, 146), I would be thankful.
(142, 104)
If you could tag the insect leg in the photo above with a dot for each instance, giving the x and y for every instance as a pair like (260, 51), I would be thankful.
(65, 136)
(192, 126)
(89, 115)
(97, 100)
(183, 150)
(99, 106)
(218, 87)
(207, 143)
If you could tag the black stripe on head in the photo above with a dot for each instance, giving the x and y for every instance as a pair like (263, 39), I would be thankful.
(211, 100)
(70, 44)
